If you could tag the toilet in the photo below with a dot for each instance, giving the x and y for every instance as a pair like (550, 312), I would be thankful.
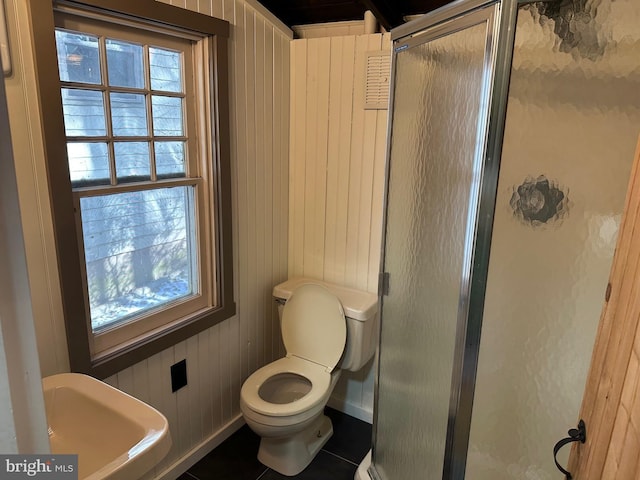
(325, 328)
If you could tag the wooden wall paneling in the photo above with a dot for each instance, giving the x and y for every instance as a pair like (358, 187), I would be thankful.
(196, 400)
(168, 402)
(266, 43)
(182, 432)
(348, 59)
(141, 381)
(281, 185)
(214, 370)
(158, 398)
(280, 207)
(225, 377)
(311, 158)
(333, 149)
(125, 381)
(297, 157)
(112, 380)
(240, 164)
(206, 7)
(233, 345)
(261, 187)
(207, 366)
(230, 11)
(355, 166)
(319, 186)
(250, 180)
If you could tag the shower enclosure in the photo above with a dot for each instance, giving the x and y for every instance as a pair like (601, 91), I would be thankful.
(513, 127)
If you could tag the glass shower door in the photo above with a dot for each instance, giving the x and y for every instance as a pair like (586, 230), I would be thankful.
(440, 109)
(571, 129)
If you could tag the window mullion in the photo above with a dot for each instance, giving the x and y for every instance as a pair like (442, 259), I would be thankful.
(107, 109)
(152, 144)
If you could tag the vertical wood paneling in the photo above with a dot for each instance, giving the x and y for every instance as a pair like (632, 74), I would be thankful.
(260, 188)
(281, 181)
(239, 170)
(182, 432)
(337, 158)
(251, 179)
(208, 369)
(297, 156)
(343, 139)
(356, 165)
(204, 6)
(214, 355)
(167, 403)
(311, 158)
(219, 359)
(334, 125)
(267, 119)
(194, 396)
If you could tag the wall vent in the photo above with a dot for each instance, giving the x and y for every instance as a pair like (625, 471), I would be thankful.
(378, 80)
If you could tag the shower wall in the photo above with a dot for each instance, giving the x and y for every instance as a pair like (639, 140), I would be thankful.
(573, 119)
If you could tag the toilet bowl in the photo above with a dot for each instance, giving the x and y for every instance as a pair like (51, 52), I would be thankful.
(284, 401)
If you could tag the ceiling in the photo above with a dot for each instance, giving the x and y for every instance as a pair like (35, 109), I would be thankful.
(389, 13)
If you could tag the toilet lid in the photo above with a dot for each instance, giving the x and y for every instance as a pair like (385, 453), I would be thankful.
(313, 325)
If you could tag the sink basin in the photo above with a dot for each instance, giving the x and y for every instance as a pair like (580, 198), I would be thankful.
(116, 436)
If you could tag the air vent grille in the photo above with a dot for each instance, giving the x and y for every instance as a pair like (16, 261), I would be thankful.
(378, 78)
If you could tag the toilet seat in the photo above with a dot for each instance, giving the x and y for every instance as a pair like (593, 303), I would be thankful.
(314, 333)
(314, 326)
(317, 374)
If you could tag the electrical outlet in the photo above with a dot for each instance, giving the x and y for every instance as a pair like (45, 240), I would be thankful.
(178, 375)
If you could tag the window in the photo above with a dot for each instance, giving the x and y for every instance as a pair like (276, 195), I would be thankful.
(145, 178)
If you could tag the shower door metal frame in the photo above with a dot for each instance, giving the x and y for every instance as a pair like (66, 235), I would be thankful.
(477, 250)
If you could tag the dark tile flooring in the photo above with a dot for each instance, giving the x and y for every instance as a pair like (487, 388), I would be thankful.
(235, 458)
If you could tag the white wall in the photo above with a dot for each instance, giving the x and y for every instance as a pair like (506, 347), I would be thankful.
(220, 358)
(23, 428)
(332, 29)
(337, 158)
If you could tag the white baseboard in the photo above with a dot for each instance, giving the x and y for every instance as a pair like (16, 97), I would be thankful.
(362, 473)
(197, 453)
(356, 411)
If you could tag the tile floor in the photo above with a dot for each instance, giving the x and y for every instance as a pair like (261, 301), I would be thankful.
(235, 459)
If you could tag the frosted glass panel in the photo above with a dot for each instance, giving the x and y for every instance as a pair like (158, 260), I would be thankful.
(437, 102)
(573, 119)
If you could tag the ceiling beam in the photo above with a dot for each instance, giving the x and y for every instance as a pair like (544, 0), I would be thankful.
(386, 11)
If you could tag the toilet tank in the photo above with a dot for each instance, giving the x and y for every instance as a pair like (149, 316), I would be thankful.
(361, 312)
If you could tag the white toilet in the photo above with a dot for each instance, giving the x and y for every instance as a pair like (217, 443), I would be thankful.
(325, 328)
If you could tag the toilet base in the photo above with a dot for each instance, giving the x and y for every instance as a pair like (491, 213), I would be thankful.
(290, 455)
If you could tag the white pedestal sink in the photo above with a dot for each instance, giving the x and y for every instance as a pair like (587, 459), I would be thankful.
(116, 436)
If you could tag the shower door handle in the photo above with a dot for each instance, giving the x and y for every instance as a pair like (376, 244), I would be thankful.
(575, 435)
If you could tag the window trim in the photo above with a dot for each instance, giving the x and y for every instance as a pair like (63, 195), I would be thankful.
(214, 34)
